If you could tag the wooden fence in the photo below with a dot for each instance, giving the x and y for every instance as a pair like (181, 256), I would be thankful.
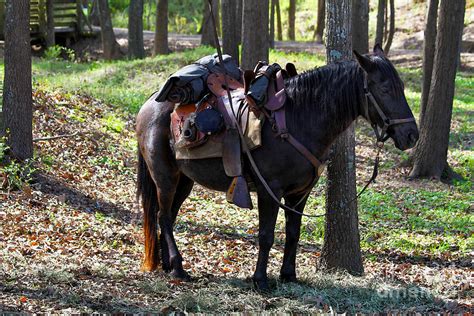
(69, 19)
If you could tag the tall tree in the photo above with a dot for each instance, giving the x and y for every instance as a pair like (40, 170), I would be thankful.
(136, 48)
(230, 35)
(360, 26)
(341, 248)
(94, 17)
(380, 22)
(161, 31)
(109, 44)
(50, 36)
(430, 157)
(254, 44)
(429, 46)
(391, 28)
(291, 20)
(272, 23)
(278, 18)
(207, 28)
(321, 22)
(17, 90)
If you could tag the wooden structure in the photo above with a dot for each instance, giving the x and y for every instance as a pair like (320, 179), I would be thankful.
(69, 19)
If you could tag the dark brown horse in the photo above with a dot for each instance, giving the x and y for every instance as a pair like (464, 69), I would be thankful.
(321, 104)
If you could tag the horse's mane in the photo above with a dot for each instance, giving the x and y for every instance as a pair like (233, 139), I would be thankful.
(330, 89)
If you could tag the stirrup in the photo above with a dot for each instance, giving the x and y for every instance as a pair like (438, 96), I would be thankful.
(238, 193)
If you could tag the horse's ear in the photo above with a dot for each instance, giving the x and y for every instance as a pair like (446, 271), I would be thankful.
(378, 51)
(364, 61)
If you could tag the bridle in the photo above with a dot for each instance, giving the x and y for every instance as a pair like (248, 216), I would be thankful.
(381, 135)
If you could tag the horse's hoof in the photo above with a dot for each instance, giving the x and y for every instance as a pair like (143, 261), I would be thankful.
(261, 286)
(181, 275)
(288, 278)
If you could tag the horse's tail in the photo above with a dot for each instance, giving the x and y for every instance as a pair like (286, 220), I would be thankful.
(146, 191)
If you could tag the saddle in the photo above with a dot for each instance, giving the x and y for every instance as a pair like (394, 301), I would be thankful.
(207, 129)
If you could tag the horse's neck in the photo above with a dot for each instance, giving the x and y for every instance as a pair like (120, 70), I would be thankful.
(334, 107)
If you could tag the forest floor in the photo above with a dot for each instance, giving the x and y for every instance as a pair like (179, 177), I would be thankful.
(71, 240)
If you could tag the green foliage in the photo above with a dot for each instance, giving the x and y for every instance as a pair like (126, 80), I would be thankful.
(13, 174)
(55, 52)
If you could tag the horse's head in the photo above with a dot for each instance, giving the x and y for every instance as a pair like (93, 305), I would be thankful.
(386, 106)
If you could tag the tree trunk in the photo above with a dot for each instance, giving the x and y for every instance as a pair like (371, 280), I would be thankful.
(95, 15)
(391, 31)
(291, 20)
(360, 26)
(136, 48)
(109, 44)
(321, 22)
(50, 36)
(161, 31)
(278, 16)
(341, 249)
(207, 28)
(380, 22)
(430, 157)
(17, 89)
(230, 35)
(429, 46)
(272, 23)
(254, 43)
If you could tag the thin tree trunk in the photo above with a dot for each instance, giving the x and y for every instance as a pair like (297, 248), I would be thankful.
(17, 89)
(136, 48)
(254, 44)
(429, 46)
(272, 23)
(279, 25)
(109, 44)
(360, 26)
(430, 158)
(291, 20)
(380, 22)
(321, 22)
(391, 31)
(207, 28)
(50, 36)
(230, 35)
(341, 249)
(161, 31)
(95, 15)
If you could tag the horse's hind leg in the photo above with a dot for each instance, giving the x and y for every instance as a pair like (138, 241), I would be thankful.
(292, 227)
(185, 186)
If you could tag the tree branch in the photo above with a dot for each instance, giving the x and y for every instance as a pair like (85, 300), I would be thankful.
(40, 139)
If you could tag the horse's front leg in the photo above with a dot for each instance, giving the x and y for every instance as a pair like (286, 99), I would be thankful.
(267, 215)
(292, 227)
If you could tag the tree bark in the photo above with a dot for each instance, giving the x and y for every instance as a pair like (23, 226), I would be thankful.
(391, 31)
(341, 249)
(254, 43)
(291, 20)
(207, 28)
(109, 44)
(136, 48)
(161, 31)
(278, 16)
(272, 23)
(360, 26)
(50, 36)
(429, 46)
(95, 15)
(380, 22)
(230, 35)
(321, 22)
(17, 88)
(430, 157)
